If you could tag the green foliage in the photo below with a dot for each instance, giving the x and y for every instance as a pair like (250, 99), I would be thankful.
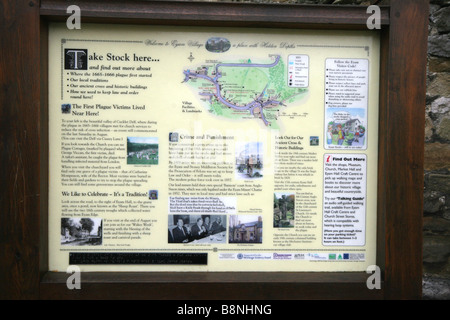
(135, 147)
(135, 160)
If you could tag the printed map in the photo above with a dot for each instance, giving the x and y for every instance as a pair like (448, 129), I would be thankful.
(245, 89)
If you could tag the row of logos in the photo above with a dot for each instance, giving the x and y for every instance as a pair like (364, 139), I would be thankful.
(308, 256)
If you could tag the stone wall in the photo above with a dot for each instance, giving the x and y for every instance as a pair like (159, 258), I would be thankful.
(436, 229)
(436, 255)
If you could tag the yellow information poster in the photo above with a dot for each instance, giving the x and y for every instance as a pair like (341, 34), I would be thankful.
(212, 149)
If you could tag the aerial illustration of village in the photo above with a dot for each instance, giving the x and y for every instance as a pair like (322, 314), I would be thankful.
(244, 88)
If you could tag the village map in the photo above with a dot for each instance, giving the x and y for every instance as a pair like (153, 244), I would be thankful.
(245, 88)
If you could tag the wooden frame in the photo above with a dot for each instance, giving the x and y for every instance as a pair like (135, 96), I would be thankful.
(24, 136)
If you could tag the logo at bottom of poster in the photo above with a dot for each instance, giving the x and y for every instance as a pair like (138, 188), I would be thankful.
(307, 256)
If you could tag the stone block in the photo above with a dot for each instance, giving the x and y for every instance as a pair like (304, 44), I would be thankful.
(433, 202)
(437, 156)
(429, 128)
(435, 287)
(438, 182)
(440, 2)
(440, 85)
(441, 19)
(440, 105)
(347, 1)
(437, 64)
(439, 45)
(435, 225)
(436, 249)
(443, 130)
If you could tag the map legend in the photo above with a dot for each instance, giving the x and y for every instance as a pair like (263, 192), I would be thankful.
(298, 71)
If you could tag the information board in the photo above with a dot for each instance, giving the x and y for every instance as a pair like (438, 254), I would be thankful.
(212, 149)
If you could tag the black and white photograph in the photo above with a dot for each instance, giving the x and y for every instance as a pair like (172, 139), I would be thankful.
(197, 228)
(81, 231)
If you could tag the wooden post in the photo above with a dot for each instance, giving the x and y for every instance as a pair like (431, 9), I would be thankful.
(20, 139)
(405, 113)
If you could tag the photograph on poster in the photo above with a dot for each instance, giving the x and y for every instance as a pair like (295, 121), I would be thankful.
(249, 160)
(197, 228)
(66, 108)
(283, 209)
(81, 231)
(245, 229)
(153, 194)
(142, 150)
